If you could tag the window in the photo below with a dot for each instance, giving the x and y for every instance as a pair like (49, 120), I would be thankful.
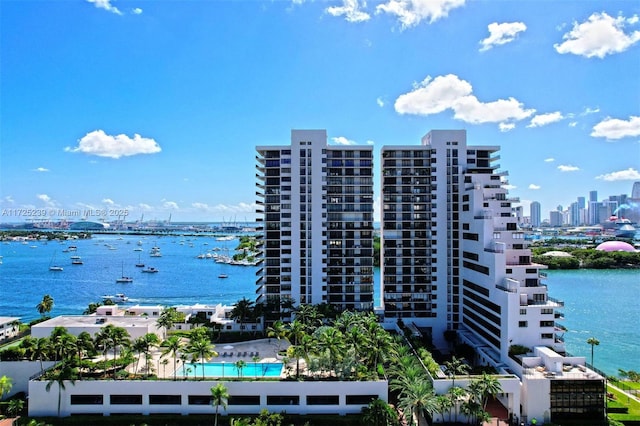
(200, 400)
(86, 399)
(522, 324)
(283, 400)
(125, 399)
(165, 399)
(323, 400)
(523, 312)
(360, 399)
(244, 400)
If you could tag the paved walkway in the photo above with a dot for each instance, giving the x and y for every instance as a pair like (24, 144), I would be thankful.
(8, 422)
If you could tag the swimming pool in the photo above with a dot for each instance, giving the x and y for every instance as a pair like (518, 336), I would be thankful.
(229, 369)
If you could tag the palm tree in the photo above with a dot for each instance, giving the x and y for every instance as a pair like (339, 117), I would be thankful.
(40, 350)
(84, 344)
(172, 346)
(112, 337)
(309, 316)
(279, 331)
(331, 341)
(593, 342)
(486, 386)
(456, 394)
(379, 413)
(138, 347)
(167, 319)
(59, 376)
(92, 308)
(240, 364)
(443, 403)
(242, 310)
(201, 349)
(219, 396)
(150, 340)
(45, 306)
(454, 367)
(418, 400)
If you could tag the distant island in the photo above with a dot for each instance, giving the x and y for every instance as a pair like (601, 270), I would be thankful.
(559, 253)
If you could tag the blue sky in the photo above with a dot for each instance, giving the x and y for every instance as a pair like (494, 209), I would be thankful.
(155, 107)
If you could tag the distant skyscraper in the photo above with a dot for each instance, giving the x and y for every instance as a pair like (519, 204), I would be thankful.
(535, 214)
(635, 192)
(555, 218)
(594, 208)
(581, 202)
(593, 196)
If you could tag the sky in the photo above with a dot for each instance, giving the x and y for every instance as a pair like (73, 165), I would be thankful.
(150, 109)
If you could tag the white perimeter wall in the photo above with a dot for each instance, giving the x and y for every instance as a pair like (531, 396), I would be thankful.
(43, 403)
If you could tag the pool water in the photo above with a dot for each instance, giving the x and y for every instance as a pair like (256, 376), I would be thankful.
(229, 369)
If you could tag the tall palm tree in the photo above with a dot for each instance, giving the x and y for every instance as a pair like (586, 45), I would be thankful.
(418, 400)
(309, 316)
(112, 337)
(242, 310)
(172, 346)
(279, 331)
(150, 341)
(240, 365)
(593, 342)
(167, 319)
(59, 376)
(331, 342)
(486, 386)
(84, 344)
(201, 349)
(219, 396)
(40, 350)
(45, 306)
(443, 404)
(138, 347)
(454, 367)
(455, 394)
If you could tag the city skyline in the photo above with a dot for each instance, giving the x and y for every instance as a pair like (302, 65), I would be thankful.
(120, 106)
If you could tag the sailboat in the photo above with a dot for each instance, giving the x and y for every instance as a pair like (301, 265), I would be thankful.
(124, 279)
(139, 264)
(53, 266)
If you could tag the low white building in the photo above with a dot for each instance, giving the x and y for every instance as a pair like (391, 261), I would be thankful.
(9, 327)
(109, 397)
(136, 326)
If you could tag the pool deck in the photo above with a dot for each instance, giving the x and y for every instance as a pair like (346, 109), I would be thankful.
(264, 350)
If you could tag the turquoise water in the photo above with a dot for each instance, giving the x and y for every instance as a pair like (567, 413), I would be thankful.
(602, 304)
(223, 369)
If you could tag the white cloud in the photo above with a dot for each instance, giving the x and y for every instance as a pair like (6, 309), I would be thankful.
(509, 187)
(41, 169)
(544, 119)
(411, 12)
(170, 205)
(433, 96)
(341, 140)
(534, 186)
(103, 145)
(8, 199)
(588, 111)
(48, 201)
(506, 127)
(380, 102)
(614, 128)
(370, 142)
(108, 201)
(137, 11)
(599, 36)
(573, 124)
(238, 208)
(629, 174)
(502, 34)
(350, 9)
(200, 206)
(549, 160)
(566, 168)
(106, 5)
(145, 207)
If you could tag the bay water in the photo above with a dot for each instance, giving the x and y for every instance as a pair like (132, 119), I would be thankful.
(598, 303)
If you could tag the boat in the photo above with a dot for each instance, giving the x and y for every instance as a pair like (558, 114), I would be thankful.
(139, 264)
(75, 260)
(118, 297)
(123, 278)
(150, 270)
(53, 266)
(223, 276)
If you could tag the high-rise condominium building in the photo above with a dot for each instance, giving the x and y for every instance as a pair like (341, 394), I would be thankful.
(317, 206)
(452, 248)
(535, 214)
